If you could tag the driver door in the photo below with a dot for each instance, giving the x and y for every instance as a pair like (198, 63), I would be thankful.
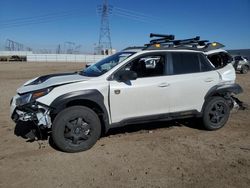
(145, 96)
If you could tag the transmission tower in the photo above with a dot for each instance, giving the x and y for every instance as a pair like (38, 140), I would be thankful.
(69, 47)
(11, 45)
(104, 38)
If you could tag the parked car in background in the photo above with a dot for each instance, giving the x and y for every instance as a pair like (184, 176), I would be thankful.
(241, 64)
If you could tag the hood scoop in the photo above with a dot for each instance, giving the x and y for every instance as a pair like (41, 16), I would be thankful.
(51, 80)
(42, 79)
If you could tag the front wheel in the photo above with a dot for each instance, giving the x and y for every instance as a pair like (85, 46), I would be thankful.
(76, 129)
(216, 113)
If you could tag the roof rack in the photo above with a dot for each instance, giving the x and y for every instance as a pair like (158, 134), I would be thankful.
(168, 41)
(162, 39)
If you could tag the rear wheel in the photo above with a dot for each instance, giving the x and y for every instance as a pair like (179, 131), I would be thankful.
(76, 129)
(216, 113)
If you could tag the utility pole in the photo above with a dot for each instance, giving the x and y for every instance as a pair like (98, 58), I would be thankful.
(104, 44)
(58, 49)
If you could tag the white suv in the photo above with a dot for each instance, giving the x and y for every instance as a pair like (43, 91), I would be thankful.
(121, 89)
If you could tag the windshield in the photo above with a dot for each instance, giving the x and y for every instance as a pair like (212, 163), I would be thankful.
(106, 64)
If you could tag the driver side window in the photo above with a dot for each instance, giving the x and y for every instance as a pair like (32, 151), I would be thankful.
(148, 66)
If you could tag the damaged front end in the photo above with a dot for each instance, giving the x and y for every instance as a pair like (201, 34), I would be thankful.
(25, 108)
(35, 112)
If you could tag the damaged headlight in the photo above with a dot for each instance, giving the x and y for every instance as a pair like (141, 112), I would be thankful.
(29, 97)
(23, 99)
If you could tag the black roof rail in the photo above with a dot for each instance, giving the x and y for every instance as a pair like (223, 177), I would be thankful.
(134, 48)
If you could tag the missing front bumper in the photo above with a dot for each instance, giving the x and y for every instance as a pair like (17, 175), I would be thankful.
(37, 113)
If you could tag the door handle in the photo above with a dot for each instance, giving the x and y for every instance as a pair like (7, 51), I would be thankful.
(209, 79)
(164, 85)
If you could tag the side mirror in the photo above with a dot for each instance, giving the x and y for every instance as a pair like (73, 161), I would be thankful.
(126, 75)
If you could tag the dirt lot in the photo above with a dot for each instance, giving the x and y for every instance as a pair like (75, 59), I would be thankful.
(168, 154)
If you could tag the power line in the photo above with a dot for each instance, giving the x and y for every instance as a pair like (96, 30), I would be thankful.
(39, 20)
(134, 15)
(34, 20)
(38, 16)
(133, 12)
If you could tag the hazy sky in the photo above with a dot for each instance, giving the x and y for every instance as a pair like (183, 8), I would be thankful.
(47, 23)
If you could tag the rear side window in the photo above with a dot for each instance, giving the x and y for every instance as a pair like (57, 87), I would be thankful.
(185, 63)
(220, 60)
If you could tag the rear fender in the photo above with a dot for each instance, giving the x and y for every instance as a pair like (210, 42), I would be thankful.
(224, 90)
(227, 73)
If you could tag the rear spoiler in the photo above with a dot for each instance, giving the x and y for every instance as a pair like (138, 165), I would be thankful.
(213, 46)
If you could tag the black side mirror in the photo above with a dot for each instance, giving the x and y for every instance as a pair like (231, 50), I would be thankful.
(125, 75)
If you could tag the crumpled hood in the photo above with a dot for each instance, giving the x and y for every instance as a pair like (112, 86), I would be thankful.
(50, 80)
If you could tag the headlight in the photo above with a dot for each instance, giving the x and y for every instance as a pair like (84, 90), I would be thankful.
(23, 99)
(40, 93)
(29, 97)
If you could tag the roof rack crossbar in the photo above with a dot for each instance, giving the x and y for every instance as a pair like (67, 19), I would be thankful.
(169, 37)
(186, 41)
(195, 40)
(160, 40)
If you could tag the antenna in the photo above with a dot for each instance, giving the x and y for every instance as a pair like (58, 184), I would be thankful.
(104, 38)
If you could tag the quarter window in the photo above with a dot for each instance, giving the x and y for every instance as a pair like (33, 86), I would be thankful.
(184, 63)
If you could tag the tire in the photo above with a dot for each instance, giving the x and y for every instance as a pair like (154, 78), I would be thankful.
(76, 129)
(244, 69)
(216, 113)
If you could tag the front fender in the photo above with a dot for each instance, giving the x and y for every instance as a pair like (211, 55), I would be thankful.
(92, 95)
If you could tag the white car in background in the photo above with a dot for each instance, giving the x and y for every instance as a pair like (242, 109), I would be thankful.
(241, 64)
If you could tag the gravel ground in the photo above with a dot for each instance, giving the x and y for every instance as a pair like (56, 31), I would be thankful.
(166, 154)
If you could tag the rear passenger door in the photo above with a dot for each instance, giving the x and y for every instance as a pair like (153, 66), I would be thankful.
(191, 77)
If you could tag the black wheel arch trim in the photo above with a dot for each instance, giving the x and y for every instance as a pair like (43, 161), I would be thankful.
(91, 95)
(224, 89)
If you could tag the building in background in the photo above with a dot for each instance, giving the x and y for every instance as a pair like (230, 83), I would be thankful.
(28, 56)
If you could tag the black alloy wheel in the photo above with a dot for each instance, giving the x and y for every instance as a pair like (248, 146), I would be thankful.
(76, 129)
(216, 113)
